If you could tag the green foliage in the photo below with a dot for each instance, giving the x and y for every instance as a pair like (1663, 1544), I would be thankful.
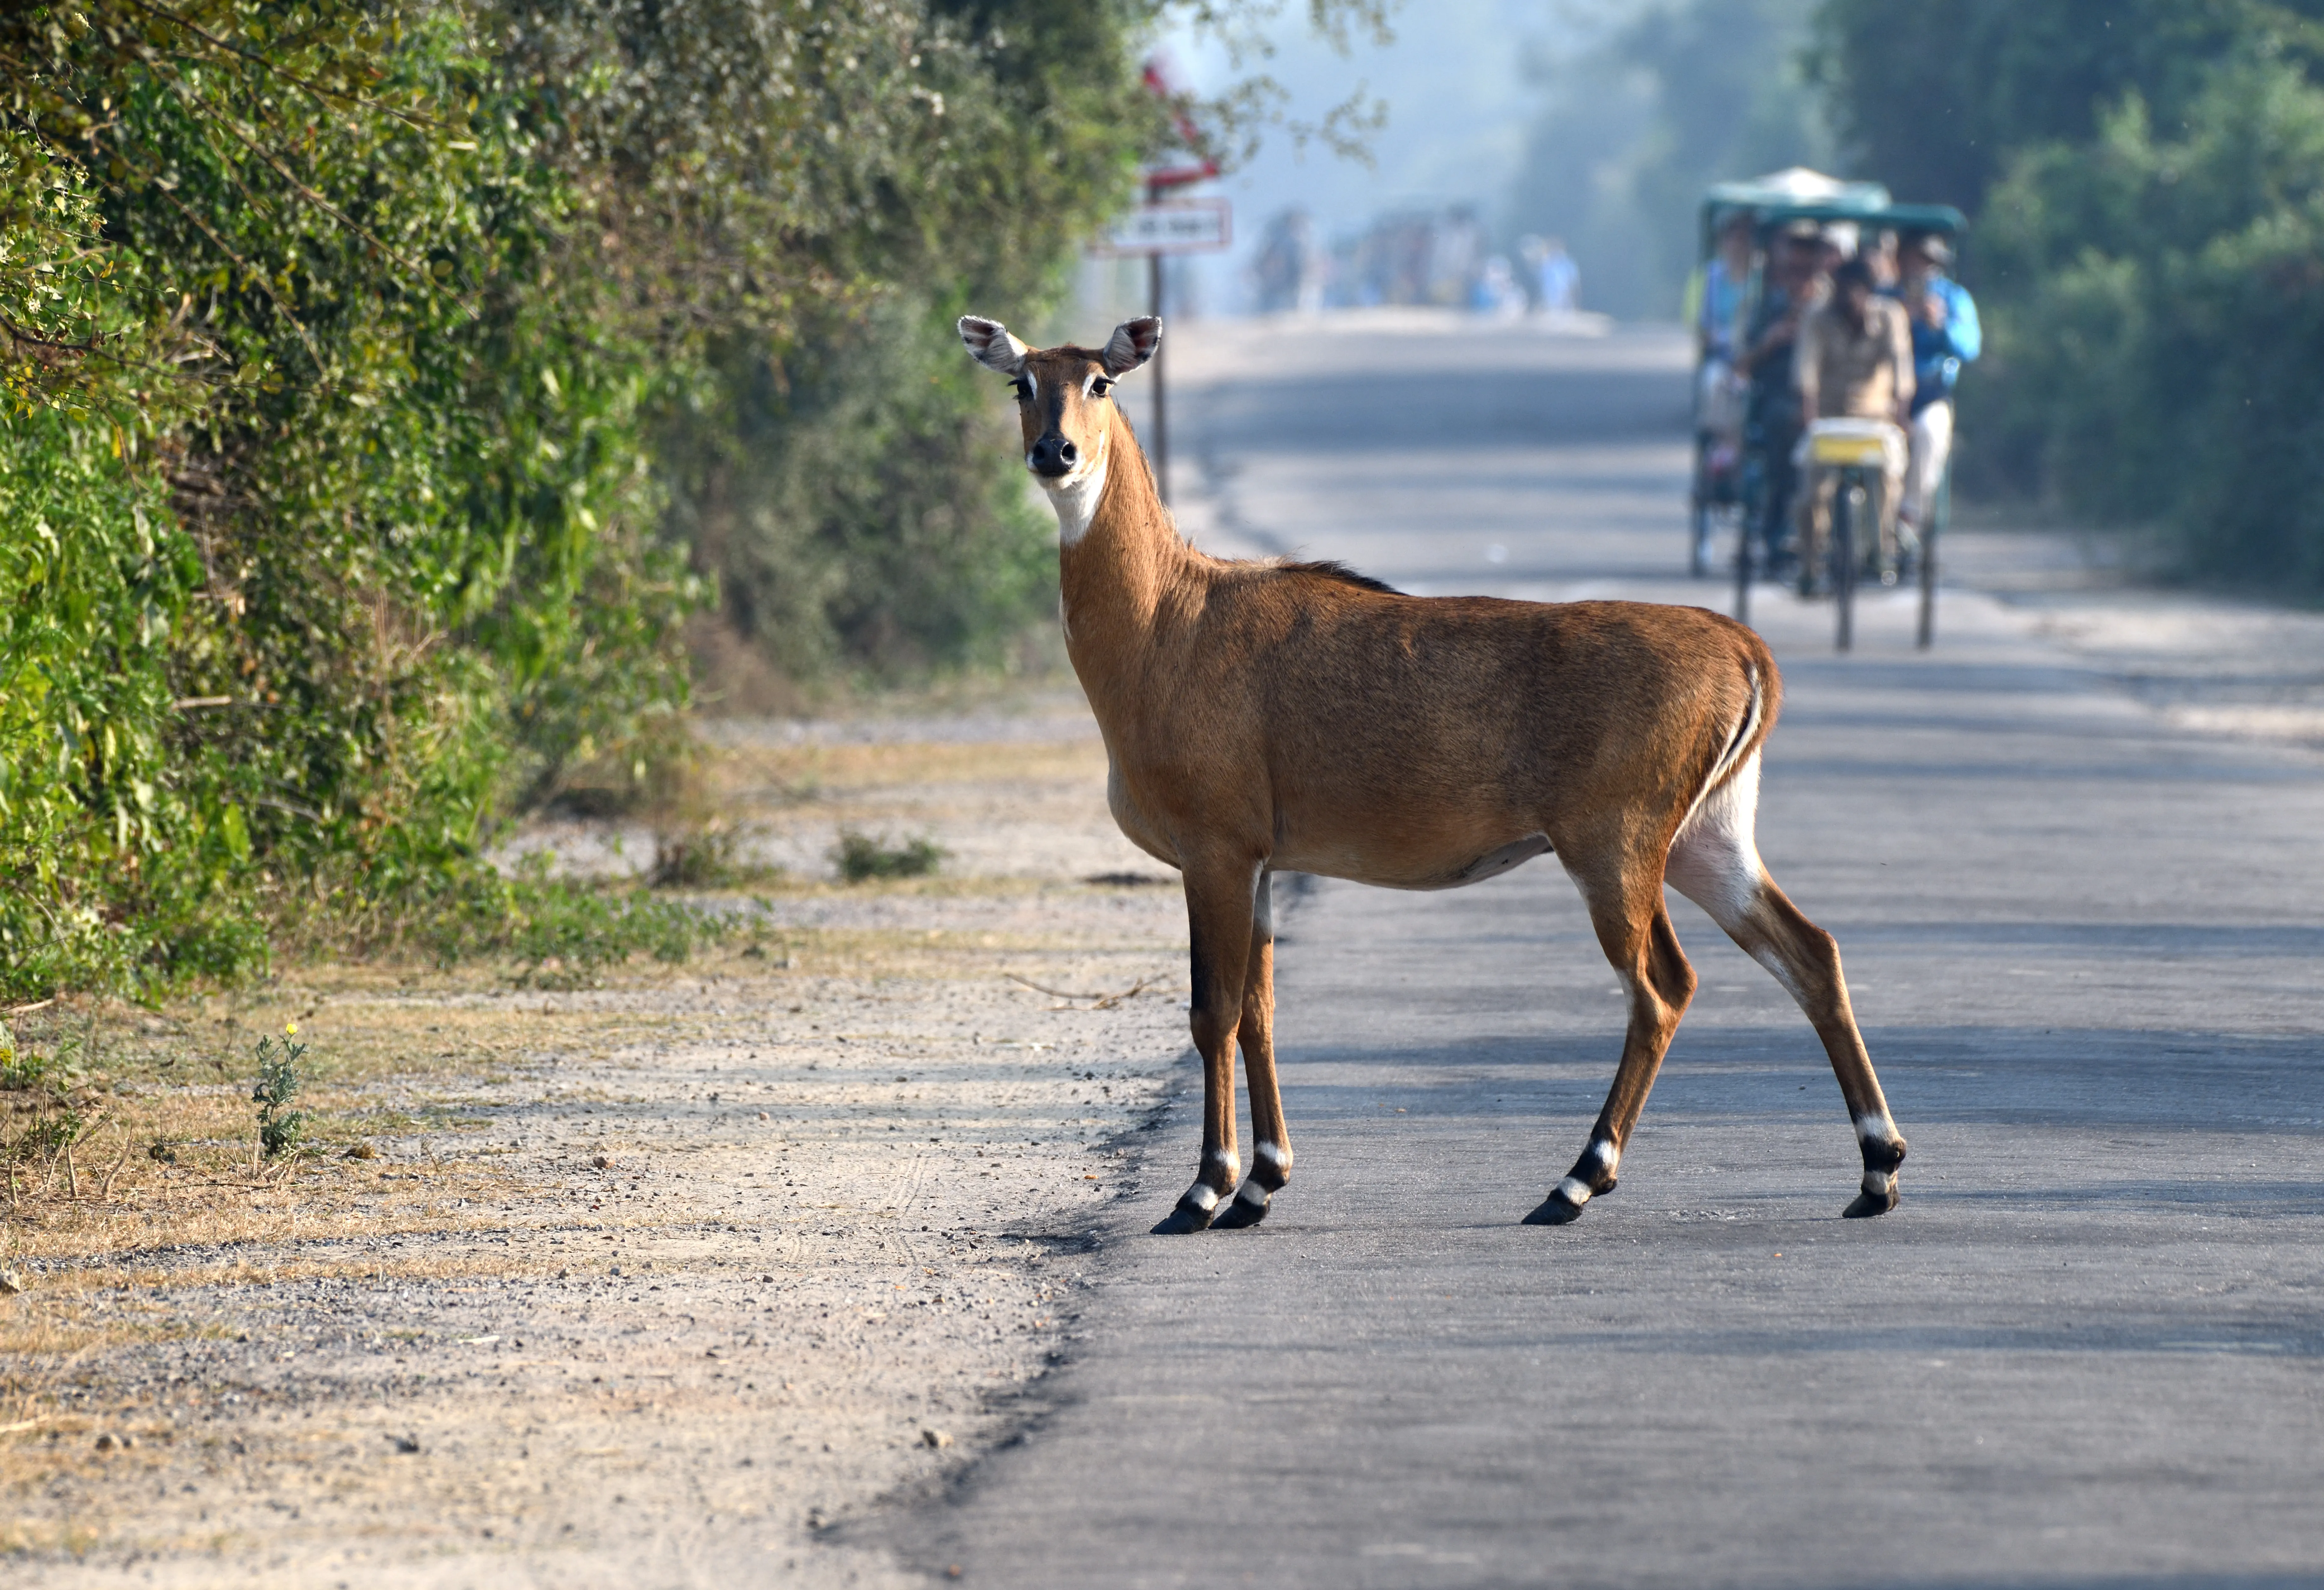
(860, 498)
(1687, 94)
(2165, 300)
(329, 517)
(1935, 98)
(2146, 251)
(280, 1127)
(860, 858)
(851, 483)
(384, 383)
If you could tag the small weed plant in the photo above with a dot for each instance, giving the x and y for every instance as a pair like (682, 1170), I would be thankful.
(708, 856)
(860, 858)
(280, 1127)
(26, 1069)
(561, 933)
(51, 1135)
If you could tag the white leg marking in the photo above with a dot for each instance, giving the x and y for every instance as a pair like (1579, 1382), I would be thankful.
(1573, 1191)
(1605, 1153)
(1202, 1197)
(1221, 1157)
(1714, 861)
(1253, 1194)
(1880, 1184)
(1274, 1154)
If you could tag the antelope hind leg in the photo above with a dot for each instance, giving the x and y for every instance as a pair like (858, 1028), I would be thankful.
(1715, 862)
(1220, 912)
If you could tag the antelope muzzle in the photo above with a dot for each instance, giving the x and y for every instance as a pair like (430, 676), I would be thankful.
(1052, 456)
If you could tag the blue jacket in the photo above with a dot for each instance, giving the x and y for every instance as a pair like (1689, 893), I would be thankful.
(1940, 351)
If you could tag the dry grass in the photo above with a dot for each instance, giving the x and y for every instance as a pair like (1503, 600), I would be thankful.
(794, 774)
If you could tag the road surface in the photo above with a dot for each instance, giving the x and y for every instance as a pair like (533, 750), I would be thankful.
(2088, 1350)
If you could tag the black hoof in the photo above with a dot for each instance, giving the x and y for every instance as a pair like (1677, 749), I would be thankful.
(1867, 1206)
(1238, 1213)
(1183, 1220)
(1553, 1210)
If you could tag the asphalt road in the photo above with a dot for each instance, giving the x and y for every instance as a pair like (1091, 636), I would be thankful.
(2088, 1350)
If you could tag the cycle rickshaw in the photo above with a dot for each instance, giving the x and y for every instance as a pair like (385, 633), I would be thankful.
(1734, 476)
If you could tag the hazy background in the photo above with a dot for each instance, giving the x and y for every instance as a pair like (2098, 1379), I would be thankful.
(1598, 121)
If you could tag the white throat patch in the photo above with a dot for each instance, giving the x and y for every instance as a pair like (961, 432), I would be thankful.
(1076, 499)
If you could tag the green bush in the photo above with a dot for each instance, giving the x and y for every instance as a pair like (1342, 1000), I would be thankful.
(2159, 337)
(2150, 220)
(357, 363)
(384, 383)
(859, 857)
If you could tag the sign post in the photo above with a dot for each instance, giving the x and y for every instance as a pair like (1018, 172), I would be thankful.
(1157, 228)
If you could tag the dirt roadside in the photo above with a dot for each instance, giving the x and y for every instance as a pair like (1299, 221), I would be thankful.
(647, 1282)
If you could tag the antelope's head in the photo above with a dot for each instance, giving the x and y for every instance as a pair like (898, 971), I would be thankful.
(1063, 398)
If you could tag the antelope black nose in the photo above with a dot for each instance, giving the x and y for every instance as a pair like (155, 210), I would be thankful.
(1054, 455)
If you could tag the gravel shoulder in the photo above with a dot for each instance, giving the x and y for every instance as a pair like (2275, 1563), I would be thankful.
(647, 1283)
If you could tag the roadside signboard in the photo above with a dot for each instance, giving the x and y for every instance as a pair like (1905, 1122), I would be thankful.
(1172, 226)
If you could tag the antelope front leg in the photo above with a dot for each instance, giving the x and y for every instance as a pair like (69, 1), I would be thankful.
(1218, 907)
(1270, 1155)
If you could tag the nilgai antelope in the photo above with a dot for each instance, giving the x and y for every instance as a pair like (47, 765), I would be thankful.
(1263, 717)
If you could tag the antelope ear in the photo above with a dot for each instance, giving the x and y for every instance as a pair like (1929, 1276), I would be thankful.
(1132, 344)
(991, 345)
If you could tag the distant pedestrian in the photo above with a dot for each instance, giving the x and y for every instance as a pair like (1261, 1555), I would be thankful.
(1559, 276)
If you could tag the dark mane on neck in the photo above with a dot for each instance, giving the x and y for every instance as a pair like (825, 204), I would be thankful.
(1339, 573)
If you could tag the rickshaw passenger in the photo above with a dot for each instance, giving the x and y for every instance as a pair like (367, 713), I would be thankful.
(1945, 336)
(1719, 310)
(1717, 294)
(1880, 253)
(1795, 285)
(1854, 362)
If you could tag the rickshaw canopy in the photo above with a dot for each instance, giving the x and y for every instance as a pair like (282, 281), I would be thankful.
(1801, 195)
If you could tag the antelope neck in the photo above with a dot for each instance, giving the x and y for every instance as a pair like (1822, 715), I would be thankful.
(1113, 572)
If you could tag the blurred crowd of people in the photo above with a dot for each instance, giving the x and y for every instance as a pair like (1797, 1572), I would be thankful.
(1433, 257)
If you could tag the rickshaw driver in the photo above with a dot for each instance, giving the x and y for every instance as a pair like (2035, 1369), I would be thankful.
(1854, 366)
(1945, 336)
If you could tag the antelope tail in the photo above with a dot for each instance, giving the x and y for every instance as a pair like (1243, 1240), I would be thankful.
(1739, 744)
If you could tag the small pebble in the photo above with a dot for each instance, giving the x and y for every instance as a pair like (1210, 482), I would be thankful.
(935, 1438)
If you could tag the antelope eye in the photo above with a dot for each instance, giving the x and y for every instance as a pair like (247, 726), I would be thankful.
(1099, 387)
